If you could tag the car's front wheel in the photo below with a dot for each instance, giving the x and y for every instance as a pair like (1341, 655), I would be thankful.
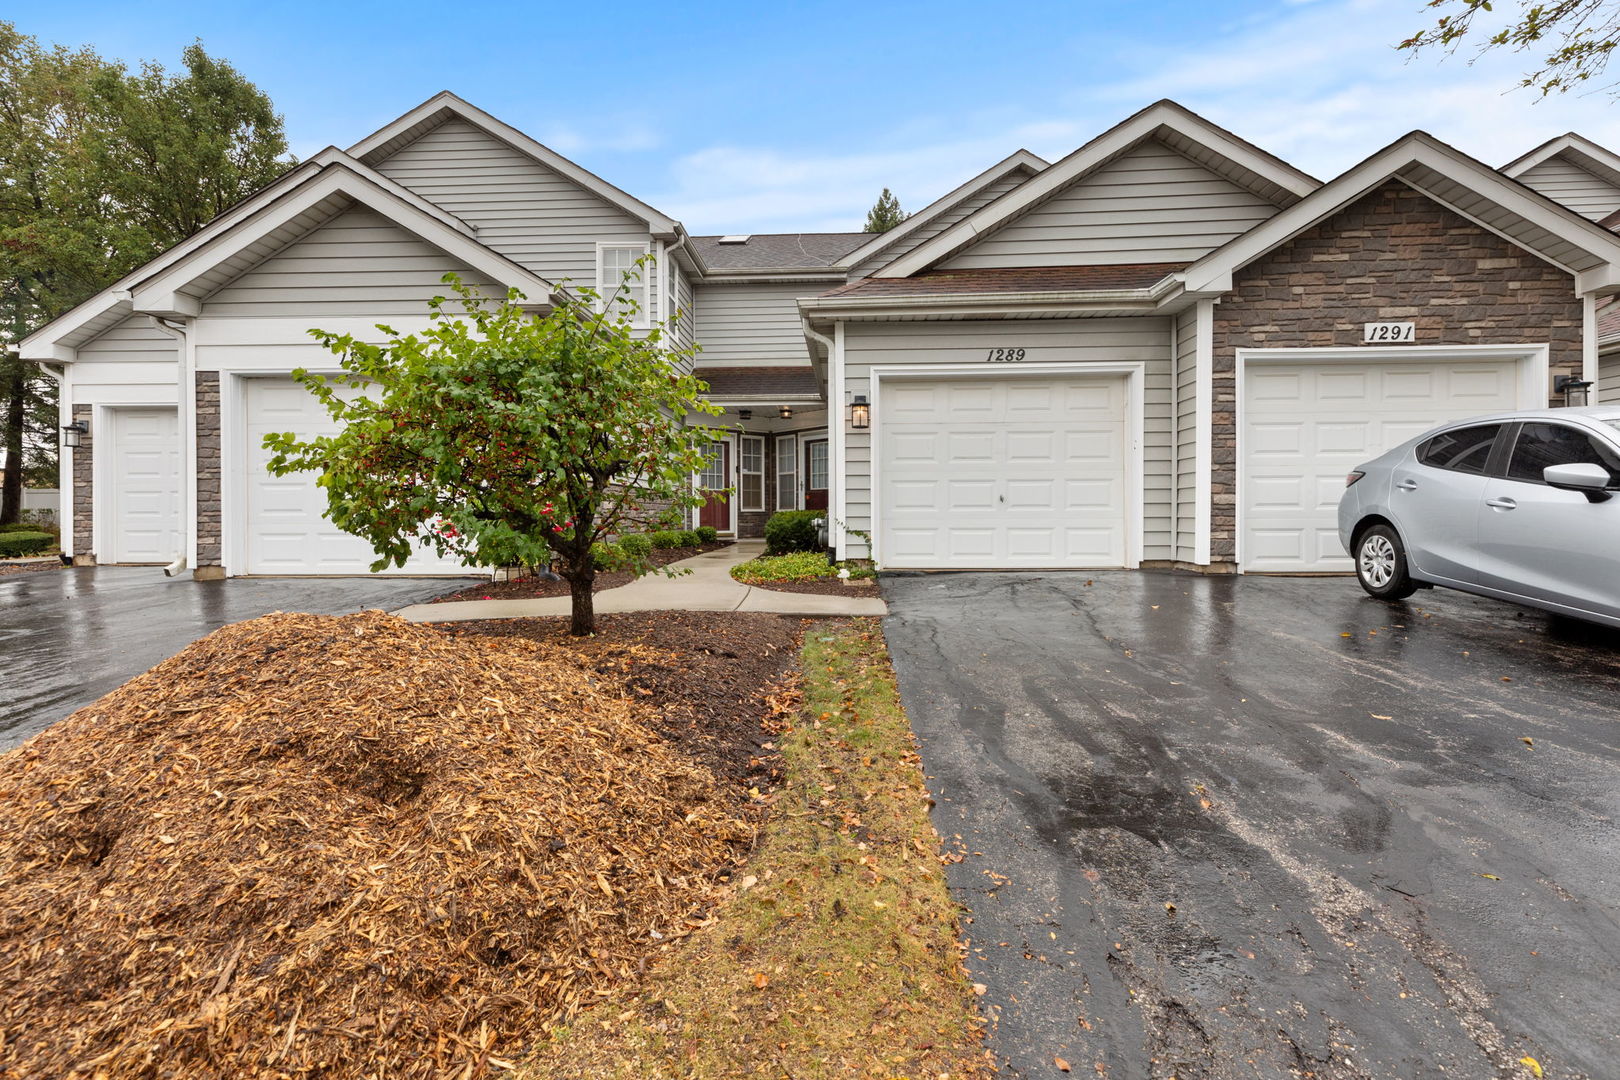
(1381, 564)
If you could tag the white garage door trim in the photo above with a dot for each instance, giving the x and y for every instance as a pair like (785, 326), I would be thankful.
(1534, 388)
(1134, 373)
(111, 543)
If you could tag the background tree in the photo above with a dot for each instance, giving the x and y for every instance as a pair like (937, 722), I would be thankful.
(100, 170)
(507, 438)
(1578, 36)
(885, 213)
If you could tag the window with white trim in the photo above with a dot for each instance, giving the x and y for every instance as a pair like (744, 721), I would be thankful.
(787, 472)
(713, 477)
(751, 483)
(613, 262)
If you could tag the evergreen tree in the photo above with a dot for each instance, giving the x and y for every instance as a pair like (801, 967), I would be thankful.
(885, 213)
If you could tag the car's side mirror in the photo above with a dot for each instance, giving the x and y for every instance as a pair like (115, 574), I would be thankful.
(1589, 478)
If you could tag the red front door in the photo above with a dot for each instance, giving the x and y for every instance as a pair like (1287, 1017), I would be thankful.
(815, 475)
(713, 481)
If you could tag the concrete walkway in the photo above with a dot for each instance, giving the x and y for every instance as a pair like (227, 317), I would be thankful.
(709, 587)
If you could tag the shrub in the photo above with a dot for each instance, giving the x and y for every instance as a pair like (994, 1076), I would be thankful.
(23, 526)
(608, 556)
(794, 566)
(792, 530)
(664, 539)
(707, 533)
(13, 544)
(636, 545)
(690, 538)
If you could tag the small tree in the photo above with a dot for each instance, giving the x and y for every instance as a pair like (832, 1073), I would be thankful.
(885, 213)
(1574, 37)
(507, 437)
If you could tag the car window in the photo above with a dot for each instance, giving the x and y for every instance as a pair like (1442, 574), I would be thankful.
(1541, 445)
(1464, 450)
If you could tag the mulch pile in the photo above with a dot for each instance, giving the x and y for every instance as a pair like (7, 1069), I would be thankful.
(343, 847)
(530, 588)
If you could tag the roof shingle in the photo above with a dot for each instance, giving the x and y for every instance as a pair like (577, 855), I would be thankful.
(1013, 280)
(788, 383)
(778, 251)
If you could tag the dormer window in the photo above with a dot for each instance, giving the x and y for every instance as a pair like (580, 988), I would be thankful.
(613, 261)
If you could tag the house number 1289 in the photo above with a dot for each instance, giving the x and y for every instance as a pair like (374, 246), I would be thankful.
(1005, 356)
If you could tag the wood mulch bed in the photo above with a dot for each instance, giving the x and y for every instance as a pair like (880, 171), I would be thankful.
(533, 587)
(9, 568)
(817, 587)
(354, 846)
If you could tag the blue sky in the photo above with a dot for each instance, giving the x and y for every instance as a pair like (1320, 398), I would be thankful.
(776, 117)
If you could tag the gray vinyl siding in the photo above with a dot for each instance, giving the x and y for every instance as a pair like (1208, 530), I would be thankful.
(521, 208)
(753, 324)
(133, 340)
(685, 308)
(1067, 341)
(1149, 205)
(1573, 186)
(1608, 387)
(974, 202)
(359, 263)
(1186, 435)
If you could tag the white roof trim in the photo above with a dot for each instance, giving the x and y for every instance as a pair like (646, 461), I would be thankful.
(1589, 251)
(1161, 116)
(1018, 159)
(164, 291)
(1581, 152)
(444, 104)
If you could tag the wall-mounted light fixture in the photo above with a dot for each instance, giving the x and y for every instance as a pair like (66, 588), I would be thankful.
(745, 414)
(73, 434)
(860, 413)
(1576, 391)
(785, 412)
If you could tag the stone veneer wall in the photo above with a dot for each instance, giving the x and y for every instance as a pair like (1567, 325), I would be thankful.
(210, 549)
(1394, 255)
(84, 491)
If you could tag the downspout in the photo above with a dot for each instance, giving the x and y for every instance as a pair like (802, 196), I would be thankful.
(187, 404)
(835, 415)
(64, 460)
(664, 264)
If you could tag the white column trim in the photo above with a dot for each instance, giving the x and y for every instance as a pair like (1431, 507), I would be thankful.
(1589, 343)
(835, 441)
(1204, 444)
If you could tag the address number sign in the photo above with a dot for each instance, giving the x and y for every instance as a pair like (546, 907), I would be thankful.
(1389, 333)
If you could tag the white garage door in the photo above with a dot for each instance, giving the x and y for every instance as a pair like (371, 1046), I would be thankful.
(287, 532)
(144, 502)
(1022, 472)
(1307, 425)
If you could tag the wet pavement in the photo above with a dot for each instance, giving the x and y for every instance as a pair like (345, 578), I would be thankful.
(1267, 827)
(70, 636)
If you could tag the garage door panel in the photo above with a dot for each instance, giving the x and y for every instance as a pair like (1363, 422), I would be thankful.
(1306, 425)
(287, 531)
(143, 503)
(1033, 473)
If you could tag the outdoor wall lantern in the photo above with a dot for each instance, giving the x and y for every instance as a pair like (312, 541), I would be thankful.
(73, 434)
(745, 414)
(1576, 391)
(785, 412)
(860, 413)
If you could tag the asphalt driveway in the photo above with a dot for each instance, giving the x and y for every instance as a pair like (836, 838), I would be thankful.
(1267, 827)
(69, 636)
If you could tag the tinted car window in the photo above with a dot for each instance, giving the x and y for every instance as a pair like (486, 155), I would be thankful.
(1464, 450)
(1541, 445)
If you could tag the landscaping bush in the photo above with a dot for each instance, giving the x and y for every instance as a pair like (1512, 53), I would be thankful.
(608, 556)
(690, 538)
(707, 533)
(794, 566)
(664, 539)
(792, 530)
(21, 526)
(636, 545)
(14, 544)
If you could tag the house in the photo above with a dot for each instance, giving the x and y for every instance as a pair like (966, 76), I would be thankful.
(1164, 349)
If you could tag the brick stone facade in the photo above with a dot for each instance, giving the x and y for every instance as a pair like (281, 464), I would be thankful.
(1392, 256)
(210, 550)
(84, 492)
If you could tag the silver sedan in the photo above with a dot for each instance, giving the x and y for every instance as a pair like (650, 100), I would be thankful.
(1518, 506)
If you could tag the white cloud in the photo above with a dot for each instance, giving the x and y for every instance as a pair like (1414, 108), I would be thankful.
(1317, 82)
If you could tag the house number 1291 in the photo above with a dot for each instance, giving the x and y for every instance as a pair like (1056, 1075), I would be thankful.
(1005, 356)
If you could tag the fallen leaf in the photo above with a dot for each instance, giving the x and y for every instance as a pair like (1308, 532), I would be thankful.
(1532, 1064)
(980, 989)
(1346, 634)
(1375, 716)
(1493, 877)
(1063, 1066)
(761, 980)
(1527, 741)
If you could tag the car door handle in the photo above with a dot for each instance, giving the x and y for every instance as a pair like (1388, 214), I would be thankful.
(1501, 504)
(1407, 485)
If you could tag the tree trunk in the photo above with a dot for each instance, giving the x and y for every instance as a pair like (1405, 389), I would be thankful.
(16, 403)
(584, 615)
